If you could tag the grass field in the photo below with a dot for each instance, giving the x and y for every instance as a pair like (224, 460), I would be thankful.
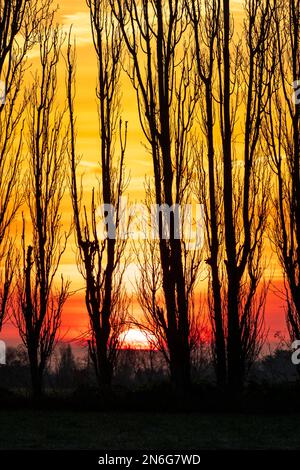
(130, 431)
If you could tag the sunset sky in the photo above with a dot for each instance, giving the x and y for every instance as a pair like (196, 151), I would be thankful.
(138, 165)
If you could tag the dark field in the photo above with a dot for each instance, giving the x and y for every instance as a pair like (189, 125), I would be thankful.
(133, 431)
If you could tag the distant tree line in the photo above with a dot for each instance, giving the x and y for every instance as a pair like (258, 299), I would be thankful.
(137, 371)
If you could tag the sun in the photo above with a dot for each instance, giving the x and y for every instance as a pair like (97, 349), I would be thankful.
(137, 339)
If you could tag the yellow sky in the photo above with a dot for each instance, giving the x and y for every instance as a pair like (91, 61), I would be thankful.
(138, 162)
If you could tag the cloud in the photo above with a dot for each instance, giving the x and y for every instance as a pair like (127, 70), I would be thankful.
(81, 28)
(87, 164)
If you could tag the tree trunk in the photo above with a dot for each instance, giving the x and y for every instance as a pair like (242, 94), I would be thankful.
(36, 375)
(234, 344)
(221, 368)
(105, 372)
(180, 370)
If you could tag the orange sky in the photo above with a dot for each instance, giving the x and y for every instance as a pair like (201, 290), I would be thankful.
(138, 164)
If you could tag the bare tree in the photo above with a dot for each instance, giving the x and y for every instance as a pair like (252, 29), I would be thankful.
(282, 132)
(40, 299)
(102, 260)
(236, 206)
(155, 34)
(18, 25)
(205, 28)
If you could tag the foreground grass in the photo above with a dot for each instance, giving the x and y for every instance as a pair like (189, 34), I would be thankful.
(87, 430)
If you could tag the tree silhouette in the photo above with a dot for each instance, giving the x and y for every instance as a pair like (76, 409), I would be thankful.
(18, 25)
(234, 79)
(102, 260)
(155, 34)
(205, 28)
(282, 132)
(39, 302)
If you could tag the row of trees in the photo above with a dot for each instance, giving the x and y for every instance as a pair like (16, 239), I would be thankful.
(221, 124)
